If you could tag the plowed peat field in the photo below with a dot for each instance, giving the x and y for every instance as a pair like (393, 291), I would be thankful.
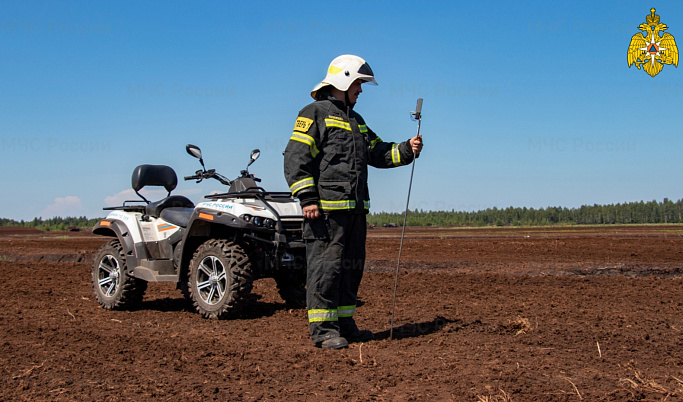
(547, 314)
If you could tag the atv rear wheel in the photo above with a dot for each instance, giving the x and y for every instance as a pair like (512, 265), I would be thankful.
(113, 286)
(220, 277)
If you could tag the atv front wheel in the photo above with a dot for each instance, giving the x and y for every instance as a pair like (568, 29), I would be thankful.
(113, 287)
(219, 278)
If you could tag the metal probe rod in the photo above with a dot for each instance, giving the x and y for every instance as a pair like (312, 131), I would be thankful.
(418, 116)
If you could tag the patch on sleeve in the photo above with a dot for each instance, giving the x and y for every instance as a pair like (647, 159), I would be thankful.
(303, 124)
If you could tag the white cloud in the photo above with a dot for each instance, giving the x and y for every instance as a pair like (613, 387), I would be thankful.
(189, 192)
(64, 206)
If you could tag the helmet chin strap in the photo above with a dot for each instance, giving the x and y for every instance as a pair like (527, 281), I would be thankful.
(348, 101)
(337, 94)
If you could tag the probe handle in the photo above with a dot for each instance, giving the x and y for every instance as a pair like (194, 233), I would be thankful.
(418, 109)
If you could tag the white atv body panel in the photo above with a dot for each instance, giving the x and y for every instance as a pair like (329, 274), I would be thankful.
(156, 229)
(252, 206)
(288, 208)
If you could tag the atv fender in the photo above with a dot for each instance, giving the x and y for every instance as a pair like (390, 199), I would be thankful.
(205, 224)
(118, 229)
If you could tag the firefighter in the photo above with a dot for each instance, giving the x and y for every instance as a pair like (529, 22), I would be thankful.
(325, 165)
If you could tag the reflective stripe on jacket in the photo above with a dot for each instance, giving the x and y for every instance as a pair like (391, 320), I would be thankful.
(328, 153)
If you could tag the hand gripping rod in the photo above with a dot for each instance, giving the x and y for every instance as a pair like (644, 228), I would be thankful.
(417, 115)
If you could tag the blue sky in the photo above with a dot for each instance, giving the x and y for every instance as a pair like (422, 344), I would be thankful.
(525, 103)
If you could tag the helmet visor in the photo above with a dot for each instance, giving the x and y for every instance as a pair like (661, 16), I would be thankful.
(366, 73)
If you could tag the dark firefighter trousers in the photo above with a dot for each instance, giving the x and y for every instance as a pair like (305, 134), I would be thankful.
(335, 254)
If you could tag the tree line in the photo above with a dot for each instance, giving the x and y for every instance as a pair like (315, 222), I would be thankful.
(652, 212)
(56, 223)
(641, 212)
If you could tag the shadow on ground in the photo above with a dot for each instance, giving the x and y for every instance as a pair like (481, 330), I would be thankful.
(251, 309)
(412, 330)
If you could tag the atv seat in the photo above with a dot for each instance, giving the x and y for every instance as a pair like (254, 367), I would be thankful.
(158, 175)
(174, 201)
(177, 216)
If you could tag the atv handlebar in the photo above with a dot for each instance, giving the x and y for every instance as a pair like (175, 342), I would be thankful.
(246, 174)
(208, 174)
(202, 174)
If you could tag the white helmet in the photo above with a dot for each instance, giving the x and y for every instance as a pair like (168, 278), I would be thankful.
(343, 71)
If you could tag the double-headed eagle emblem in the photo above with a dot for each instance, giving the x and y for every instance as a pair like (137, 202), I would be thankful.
(653, 47)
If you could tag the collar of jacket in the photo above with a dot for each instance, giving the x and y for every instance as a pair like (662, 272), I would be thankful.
(340, 104)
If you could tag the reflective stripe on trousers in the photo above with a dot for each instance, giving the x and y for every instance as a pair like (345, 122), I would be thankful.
(318, 315)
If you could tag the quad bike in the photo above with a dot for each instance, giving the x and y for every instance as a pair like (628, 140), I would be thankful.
(213, 250)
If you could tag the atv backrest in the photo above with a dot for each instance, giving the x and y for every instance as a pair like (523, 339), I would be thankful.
(158, 175)
(154, 175)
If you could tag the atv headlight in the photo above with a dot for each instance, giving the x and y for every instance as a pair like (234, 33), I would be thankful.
(259, 221)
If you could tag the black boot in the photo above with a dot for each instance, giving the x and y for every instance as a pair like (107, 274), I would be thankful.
(350, 331)
(337, 342)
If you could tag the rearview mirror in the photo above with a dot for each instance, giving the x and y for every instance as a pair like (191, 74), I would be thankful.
(194, 151)
(254, 155)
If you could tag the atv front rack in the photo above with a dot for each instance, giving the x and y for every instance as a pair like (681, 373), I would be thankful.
(251, 192)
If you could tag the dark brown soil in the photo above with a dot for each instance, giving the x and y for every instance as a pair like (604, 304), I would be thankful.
(525, 314)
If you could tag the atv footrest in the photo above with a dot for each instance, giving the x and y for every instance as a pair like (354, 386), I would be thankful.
(156, 271)
(153, 276)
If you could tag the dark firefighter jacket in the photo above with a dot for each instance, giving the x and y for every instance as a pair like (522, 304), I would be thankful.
(327, 156)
